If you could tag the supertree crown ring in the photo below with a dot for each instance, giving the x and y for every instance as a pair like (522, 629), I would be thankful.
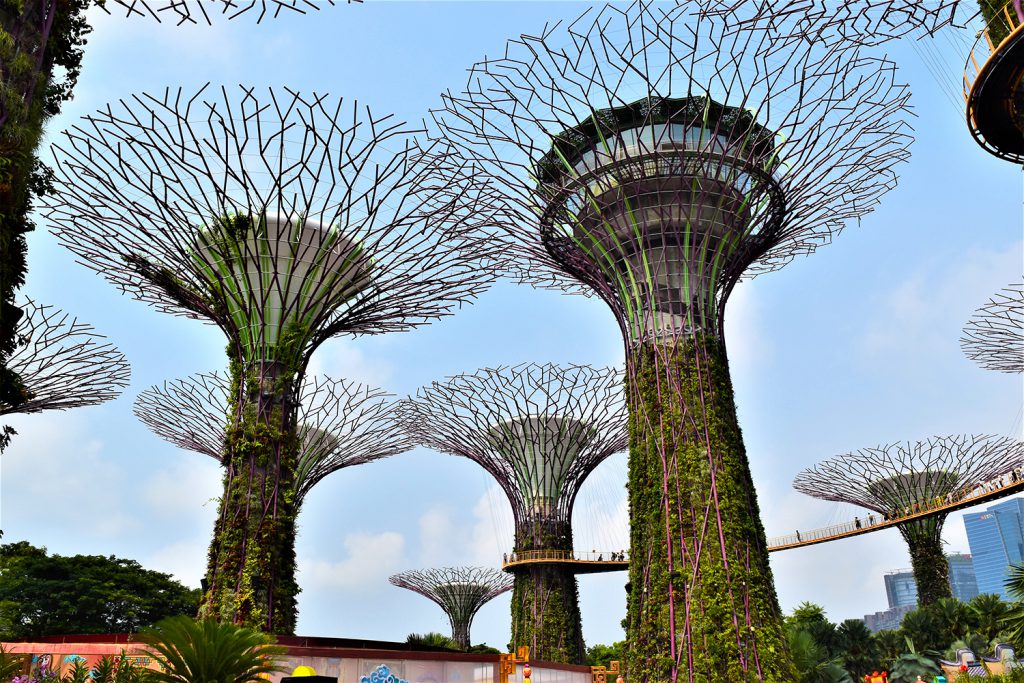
(657, 156)
(994, 336)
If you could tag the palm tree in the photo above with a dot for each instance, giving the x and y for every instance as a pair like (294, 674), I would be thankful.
(922, 627)
(809, 658)
(954, 619)
(889, 645)
(431, 640)
(1013, 620)
(861, 656)
(987, 612)
(209, 652)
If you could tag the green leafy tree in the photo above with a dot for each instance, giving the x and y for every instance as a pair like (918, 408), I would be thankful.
(10, 664)
(987, 612)
(860, 656)
(602, 655)
(208, 651)
(43, 594)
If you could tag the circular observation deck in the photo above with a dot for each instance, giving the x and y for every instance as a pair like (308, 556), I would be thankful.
(994, 85)
(664, 199)
(579, 563)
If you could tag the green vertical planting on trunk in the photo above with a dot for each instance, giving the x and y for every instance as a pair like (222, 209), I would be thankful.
(699, 568)
(931, 569)
(545, 600)
(251, 563)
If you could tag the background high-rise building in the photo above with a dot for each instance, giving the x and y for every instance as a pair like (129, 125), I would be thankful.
(961, 576)
(996, 537)
(900, 588)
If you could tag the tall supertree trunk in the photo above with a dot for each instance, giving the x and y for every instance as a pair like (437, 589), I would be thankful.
(545, 601)
(931, 569)
(250, 578)
(702, 605)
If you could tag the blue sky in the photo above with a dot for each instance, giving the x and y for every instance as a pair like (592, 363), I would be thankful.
(853, 346)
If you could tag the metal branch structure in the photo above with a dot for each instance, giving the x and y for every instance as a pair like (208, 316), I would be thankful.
(994, 336)
(459, 591)
(901, 478)
(62, 363)
(654, 157)
(207, 11)
(539, 430)
(866, 22)
(341, 423)
(285, 219)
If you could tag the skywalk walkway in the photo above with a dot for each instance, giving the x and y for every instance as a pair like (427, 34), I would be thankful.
(596, 562)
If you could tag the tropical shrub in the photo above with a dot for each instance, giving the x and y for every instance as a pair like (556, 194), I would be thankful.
(909, 665)
(208, 651)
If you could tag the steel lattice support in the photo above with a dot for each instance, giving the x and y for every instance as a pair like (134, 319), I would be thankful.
(994, 336)
(285, 220)
(539, 430)
(341, 423)
(207, 11)
(62, 363)
(900, 478)
(459, 591)
(655, 156)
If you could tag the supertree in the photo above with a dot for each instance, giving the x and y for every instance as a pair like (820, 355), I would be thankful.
(285, 220)
(206, 11)
(994, 336)
(654, 158)
(61, 363)
(340, 423)
(459, 591)
(539, 430)
(900, 479)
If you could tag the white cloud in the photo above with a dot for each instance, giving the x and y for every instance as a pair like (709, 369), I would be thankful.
(341, 359)
(371, 559)
(923, 315)
(184, 560)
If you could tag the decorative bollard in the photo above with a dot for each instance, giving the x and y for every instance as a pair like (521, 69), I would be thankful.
(307, 674)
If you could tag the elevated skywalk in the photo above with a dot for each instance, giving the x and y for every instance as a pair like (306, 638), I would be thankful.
(597, 562)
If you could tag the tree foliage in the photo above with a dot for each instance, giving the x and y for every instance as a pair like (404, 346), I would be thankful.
(43, 594)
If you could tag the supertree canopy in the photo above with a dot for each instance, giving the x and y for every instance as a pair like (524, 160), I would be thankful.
(341, 423)
(539, 430)
(285, 220)
(900, 479)
(62, 363)
(994, 336)
(206, 11)
(459, 591)
(655, 157)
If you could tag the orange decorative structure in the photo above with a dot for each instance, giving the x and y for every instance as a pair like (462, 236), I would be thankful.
(994, 85)
(876, 677)
(507, 663)
(600, 673)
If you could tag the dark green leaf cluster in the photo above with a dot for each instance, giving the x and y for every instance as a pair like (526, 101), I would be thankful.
(43, 594)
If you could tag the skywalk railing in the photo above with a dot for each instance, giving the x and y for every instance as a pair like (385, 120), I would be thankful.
(1009, 20)
(1004, 486)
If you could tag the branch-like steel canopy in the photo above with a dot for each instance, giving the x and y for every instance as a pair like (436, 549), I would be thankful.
(893, 477)
(655, 155)
(341, 423)
(208, 11)
(459, 591)
(63, 363)
(538, 429)
(994, 336)
(283, 218)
